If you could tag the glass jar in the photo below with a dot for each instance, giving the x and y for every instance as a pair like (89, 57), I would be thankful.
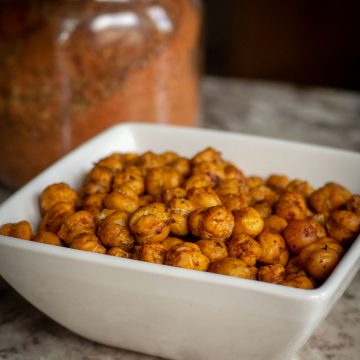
(70, 69)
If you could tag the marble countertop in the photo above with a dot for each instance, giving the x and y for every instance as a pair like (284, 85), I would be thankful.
(313, 115)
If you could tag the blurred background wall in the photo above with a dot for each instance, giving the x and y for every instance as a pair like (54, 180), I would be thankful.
(309, 42)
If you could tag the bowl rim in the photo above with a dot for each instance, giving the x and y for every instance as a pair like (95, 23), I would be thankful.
(325, 291)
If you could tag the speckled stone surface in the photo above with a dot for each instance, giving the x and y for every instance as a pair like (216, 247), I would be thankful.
(320, 116)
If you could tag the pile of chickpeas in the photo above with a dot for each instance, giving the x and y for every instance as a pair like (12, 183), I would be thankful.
(202, 214)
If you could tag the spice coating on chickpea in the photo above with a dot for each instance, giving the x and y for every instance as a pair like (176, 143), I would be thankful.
(201, 213)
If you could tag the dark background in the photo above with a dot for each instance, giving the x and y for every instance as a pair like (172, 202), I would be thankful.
(309, 42)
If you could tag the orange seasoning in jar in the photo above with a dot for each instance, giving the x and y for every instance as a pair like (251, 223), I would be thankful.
(70, 69)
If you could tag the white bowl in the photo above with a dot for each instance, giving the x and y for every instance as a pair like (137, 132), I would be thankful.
(166, 311)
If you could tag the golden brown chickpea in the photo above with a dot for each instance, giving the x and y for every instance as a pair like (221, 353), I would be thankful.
(180, 209)
(291, 206)
(300, 233)
(98, 181)
(263, 208)
(146, 200)
(233, 267)
(215, 171)
(55, 216)
(254, 181)
(208, 154)
(87, 242)
(102, 215)
(132, 177)
(169, 157)
(46, 237)
(321, 257)
(343, 226)
(154, 253)
(275, 224)
(271, 273)
(203, 197)
(214, 250)
(173, 193)
(197, 181)
(129, 159)
(278, 182)
(80, 222)
(112, 162)
(187, 255)
(294, 266)
(273, 248)
(353, 204)
(56, 193)
(149, 160)
(235, 202)
(122, 199)
(330, 197)
(212, 223)
(19, 230)
(93, 203)
(118, 252)
(300, 281)
(182, 166)
(171, 241)
(113, 231)
(150, 223)
(160, 179)
(320, 219)
(301, 187)
(245, 248)
(232, 172)
(248, 221)
(263, 193)
(231, 187)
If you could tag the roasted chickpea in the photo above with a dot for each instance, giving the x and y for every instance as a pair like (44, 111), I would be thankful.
(56, 193)
(93, 203)
(271, 273)
(300, 233)
(187, 255)
(203, 197)
(343, 226)
(182, 166)
(169, 157)
(180, 209)
(87, 242)
(208, 154)
(301, 187)
(263, 193)
(123, 199)
(277, 182)
(171, 241)
(300, 281)
(132, 177)
(80, 222)
(102, 215)
(55, 216)
(212, 223)
(146, 200)
(353, 204)
(273, 248)
(118, 252)
(162, 178)
(232, 172)
(98, 181)
(149, 160)
(113, 231)
(254, 181)
(248, 221)
(294, 266)
(129, 159)
(112, 162)
(173, 193)
(233, 267)
(154, 253)
(275, 224)
(19, 230)
(215, 171)
(291, 206)
(235, 202)
(231, 187)
(263, 208)
(150, 223)
(213, 249)
(330, 197)
(197, 181)
(245, 248)
(321, 257)
(46, 237)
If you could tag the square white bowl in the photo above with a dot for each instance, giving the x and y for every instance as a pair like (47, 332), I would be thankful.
(165, 311)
